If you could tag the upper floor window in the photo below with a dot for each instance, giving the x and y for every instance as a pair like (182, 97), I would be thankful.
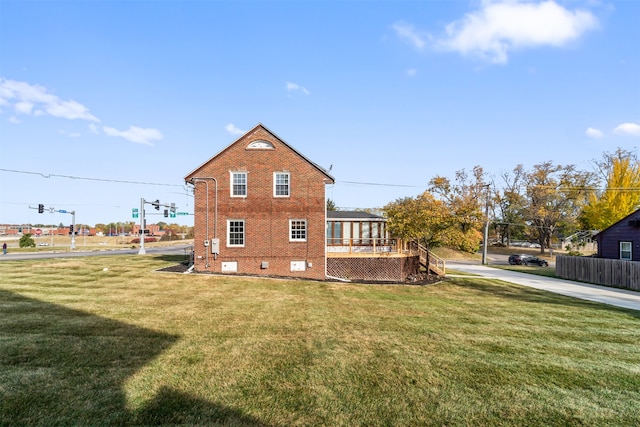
(238, 184)
(281, 184)
(625, 251)
(260, 145)
(298, 230)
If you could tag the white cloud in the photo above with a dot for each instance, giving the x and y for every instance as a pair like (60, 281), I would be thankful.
(503, 26)
(293, 87)
(630, 129)
(14, 120)
(408, 34)
(233, 129)
(594, 133)
(69, 134)
(412, 72)
(23, 107)
(70, 110)
(34, 99)
(135, 134)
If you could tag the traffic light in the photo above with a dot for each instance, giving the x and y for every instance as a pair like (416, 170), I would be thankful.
(166, 213)
(156, 204)
(40, 208)
(173, 208)
(71, 229)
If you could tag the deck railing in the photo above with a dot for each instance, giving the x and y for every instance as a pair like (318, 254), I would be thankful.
(427, 258)
(365, 246)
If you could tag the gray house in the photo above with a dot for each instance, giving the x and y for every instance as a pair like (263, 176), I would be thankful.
(621, 240)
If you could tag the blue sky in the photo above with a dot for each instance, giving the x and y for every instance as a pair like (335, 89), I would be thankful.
(129, 97)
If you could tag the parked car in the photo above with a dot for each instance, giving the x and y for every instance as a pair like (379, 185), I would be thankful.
(516, 259)
(534, 260)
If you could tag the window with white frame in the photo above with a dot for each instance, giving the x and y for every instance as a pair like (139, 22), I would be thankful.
(238, 184)
(281, 184)
(235, 232)
(625, 250)
(297, 230)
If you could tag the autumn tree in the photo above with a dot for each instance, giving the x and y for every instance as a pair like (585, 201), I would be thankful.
(424, 219)
(465, 199)
(621, 173)
(555, 196)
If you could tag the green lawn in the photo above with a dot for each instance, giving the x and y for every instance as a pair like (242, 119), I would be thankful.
(130, 346)
(540, 271)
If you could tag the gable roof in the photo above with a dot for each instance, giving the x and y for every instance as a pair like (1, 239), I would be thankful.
(255, 128)
(626, 218)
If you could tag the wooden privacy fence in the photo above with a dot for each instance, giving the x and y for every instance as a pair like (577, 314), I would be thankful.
(601, 271)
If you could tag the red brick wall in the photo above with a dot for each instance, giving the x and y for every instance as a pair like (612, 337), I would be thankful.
(266, 217)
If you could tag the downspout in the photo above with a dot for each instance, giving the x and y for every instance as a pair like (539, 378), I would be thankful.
(326, 248)
(215, 216)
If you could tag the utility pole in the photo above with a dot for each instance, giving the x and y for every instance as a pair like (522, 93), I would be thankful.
(142, 251)
(73, 229)
(486, 227)
(143, 222)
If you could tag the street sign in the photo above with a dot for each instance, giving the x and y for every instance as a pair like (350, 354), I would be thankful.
(182, 213)
(172, 214)
(62, 211)
(134, 213)
(38, 232)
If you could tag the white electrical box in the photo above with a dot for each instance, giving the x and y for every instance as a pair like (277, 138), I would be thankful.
(229, 267)
(215, 246)
(206, 243)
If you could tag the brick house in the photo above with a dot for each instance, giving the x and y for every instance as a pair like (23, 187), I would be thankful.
(259, 208)
(621, 240)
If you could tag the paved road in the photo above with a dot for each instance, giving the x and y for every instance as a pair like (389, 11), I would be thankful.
(603, 294)
(161, 250)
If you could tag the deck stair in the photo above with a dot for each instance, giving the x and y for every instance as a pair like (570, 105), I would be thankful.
(433, 263)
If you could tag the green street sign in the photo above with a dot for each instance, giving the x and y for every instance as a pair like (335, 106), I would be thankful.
(182, 213)
(134, 213)
(172, 214)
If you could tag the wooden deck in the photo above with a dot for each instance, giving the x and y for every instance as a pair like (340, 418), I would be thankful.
(384, 248)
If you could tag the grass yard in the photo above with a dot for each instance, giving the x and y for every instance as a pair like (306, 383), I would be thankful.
(130, 346)
(539, 271)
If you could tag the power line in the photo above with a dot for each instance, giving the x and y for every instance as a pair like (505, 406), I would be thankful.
(380, 184)
(119, 181)
(374, 184)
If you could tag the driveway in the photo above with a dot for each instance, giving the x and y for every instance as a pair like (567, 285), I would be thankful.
(612, 296)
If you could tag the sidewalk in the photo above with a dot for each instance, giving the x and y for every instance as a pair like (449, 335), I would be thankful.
(612, 296)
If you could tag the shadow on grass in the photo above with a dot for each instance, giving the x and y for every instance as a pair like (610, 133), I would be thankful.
(60, 366)
(532, 295)
(178, 259)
